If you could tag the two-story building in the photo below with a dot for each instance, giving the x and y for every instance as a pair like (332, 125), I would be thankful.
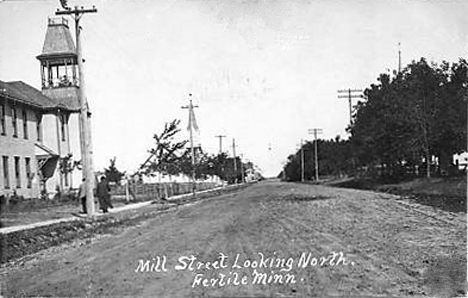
(40, 129)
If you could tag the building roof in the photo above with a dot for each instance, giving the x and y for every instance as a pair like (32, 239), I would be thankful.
(28, 95)
(58, 41)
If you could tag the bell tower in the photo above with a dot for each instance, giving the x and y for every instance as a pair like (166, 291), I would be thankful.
(60, 82)
(59, 65)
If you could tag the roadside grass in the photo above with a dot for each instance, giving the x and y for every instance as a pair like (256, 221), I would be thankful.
(25, 242)
(16, 245)
(448, 194)
(69, 199)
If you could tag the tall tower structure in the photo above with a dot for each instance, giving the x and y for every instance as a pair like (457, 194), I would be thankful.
(60, 83)
(59, 65)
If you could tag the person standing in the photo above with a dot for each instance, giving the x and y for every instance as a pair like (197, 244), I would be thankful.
(82, 194)
(103, 195)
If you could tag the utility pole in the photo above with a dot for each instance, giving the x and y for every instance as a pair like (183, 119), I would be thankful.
(301, 152)
(399, 58)
(350, 96)
(84, 121)
(234, 158)
(302, 161)
(190, 108)
(220, 143)
(242, 168)
(316, 131)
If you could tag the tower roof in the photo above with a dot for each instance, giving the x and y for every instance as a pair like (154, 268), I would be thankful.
(58, 41)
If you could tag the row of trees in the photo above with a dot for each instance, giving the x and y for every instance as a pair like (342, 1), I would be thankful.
(170, 157)
(334, 157)
(409, 124)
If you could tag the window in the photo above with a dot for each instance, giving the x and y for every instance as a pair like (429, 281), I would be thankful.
(14, 120)
(28, 172)
(17, 172)
(2, 118)
(65, 177)
(6, 176)
(25, 124)
(39, 126)
(63, 121)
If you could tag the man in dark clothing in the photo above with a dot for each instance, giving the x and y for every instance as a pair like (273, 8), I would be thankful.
(103, 195)
(82, 194)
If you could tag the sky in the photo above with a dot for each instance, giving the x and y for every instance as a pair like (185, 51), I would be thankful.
(262, 72)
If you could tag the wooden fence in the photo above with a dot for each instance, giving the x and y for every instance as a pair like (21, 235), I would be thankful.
(150, 191)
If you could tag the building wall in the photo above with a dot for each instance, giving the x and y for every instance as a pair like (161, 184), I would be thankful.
(71, 144)
(61, 141)
(20, 147)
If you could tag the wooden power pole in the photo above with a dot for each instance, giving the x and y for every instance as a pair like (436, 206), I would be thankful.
(220, 143)
(350, 95)
(316, 131)
(234, 158)
(301, 152)
(399, 58)
(190, 107)
(302, 161)
(85, 125)
(242, 168)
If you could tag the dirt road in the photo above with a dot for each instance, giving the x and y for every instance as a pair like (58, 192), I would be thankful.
(269, 240)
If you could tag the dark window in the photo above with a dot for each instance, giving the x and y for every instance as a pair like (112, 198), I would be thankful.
(14, 121)
(65, 176)
(17, 172)
(6, 176)
(39, 126)
(63, 121)
(2, 118)
(25, 124)
(28, 172)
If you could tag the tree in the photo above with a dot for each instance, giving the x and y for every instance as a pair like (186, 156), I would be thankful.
(411, 118)
(66, 166)
(416, 119)
(166, 157)
(334, 157)
(112, 173)
(219, 165)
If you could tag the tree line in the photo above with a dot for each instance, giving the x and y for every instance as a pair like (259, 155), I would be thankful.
(409, 124)
(171, 157)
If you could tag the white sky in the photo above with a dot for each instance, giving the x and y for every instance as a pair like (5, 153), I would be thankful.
(263, 72)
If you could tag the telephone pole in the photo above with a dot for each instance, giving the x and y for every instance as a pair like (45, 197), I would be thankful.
(84, 119)
(316, 131)
(399, 58)
(302, 161)
(242, 168)
(234, 159)
(350, 96)
(220, 143)
(190, 107)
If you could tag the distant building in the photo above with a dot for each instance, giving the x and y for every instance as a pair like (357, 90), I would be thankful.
(461, 160)
(39, 130)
